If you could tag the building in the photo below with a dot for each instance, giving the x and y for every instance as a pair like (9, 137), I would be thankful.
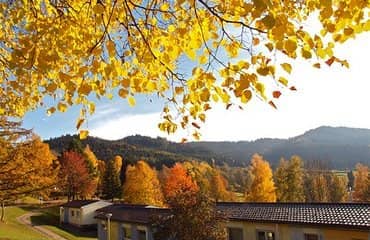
(297, 221)
(127, 222)
(81, 213)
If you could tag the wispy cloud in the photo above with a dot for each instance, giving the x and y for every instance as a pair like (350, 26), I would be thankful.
(104, 111)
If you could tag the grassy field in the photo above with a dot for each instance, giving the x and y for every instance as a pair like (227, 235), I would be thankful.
(13, 230)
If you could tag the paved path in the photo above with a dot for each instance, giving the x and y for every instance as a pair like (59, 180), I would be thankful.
(25, 219)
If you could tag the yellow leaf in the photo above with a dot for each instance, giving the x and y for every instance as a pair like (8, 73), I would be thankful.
(164, 7)
(283, 81)
(131, 101)
(202, 117)
(306, 54)
(269, 46)
(203, 59)
(91, 107)
(171, 28)
(62, 107)
(64, 77)
(246, 96)
(79, 123)
(290, 45)
(287, 67)
(256, 41)
(84, 89)
(179, 90)
(263, 71)
(348, 31)
(50, 111)
(269, 21)
(151, 86)
(111, 46)
(83, 134)
(125, 82)
(191, 54)
(98, 9)
(123, 93)
(261, 89)
(51, 87)
(317, 65)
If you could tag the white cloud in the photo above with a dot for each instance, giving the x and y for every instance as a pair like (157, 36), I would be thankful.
(126, 125)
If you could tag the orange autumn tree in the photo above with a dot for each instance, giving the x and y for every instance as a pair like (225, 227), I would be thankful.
(262, 188)
(142, 185)
(74, 178)
(176, 181)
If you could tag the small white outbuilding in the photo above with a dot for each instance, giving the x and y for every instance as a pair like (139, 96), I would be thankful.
(81, 213)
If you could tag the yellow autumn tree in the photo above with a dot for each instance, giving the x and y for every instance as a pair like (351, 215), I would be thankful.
(71, 50)
(142, 185)
(118, 163)
(201, 172)
(26, 163)
(218, 187)
(361, 183)
(262, 188)
(90, 156)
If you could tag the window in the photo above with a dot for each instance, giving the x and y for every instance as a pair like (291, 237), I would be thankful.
(141, 234)
(265, 235)
(235, 233)
(72, 213)
(78, 213)
(126, 232)
(311, 236)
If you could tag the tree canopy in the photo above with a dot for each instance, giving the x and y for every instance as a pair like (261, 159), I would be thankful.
(70, 51)
(262, 188)
(142, 185)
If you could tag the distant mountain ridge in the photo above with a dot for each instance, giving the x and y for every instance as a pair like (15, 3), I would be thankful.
(339, 147)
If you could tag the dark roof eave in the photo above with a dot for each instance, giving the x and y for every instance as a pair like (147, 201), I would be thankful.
(341, 226)
(120, 220)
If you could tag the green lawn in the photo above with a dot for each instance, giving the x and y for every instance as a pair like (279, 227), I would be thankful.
(13, 230)
(50, 219)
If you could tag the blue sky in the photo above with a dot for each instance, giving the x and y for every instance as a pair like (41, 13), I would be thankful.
(332, 96)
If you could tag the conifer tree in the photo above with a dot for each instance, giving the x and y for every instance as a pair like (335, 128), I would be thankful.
(111, 185)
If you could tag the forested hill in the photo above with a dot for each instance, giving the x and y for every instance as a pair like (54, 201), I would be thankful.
(338, 147)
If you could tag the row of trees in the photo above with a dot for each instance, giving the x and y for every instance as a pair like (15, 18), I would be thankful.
(140, 183)
(292, 183)
(28, 166)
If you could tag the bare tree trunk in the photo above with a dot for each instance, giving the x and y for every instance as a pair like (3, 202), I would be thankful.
(2, 211)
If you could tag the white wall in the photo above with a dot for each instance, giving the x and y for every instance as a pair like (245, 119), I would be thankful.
(88, 212)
